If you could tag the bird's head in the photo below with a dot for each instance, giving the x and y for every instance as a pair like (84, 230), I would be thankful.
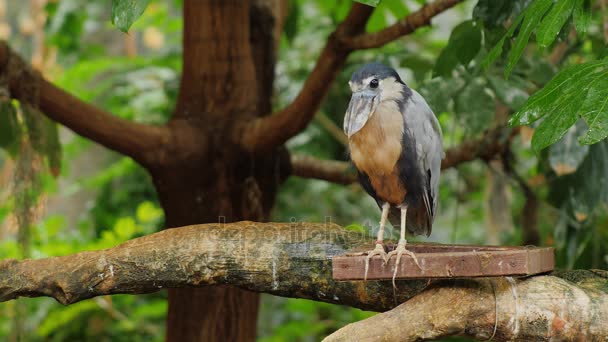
(372, 84)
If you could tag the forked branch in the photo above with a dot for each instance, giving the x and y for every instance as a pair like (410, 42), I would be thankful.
(265, 133)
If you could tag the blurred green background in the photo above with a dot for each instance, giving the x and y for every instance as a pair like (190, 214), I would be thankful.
(101, 199)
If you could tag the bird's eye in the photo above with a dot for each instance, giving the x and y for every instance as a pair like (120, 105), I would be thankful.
(373, 83)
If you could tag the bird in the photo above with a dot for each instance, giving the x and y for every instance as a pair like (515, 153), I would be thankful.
(395, 144)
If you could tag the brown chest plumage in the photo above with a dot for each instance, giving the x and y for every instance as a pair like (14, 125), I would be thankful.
(375, 150)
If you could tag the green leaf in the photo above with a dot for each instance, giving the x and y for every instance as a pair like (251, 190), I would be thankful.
(462, 47)
(372, 3)
(582, 15)
(566, 155)
(125, 12)
(554, 21)
(566, 85)
(554, 126)
(9, 126)
(595, 112)
(496, 51)
(577, 89)
(533, 15)
(446, 62)
(494, 13)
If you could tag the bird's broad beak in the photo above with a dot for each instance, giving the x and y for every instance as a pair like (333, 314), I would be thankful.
(362, 105)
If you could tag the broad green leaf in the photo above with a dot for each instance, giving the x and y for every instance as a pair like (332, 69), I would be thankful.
(462, 47)
(494, 13)
(372, 3)
(571, 80)
(595, 111)
(496, 51)
(446, 62)
(582, 15)
(125, 12)
(9, 126)
(553, 127)
(554, 21)
(566, 155)
(533, 15)
(475, 106)
(561, 107)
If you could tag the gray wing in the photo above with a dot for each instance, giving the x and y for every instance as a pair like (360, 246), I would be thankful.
(424, 127)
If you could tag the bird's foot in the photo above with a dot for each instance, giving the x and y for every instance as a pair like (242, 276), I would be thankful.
(399, 251)
(379, 250)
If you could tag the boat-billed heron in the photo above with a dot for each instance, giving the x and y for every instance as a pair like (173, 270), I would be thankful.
(395, 143)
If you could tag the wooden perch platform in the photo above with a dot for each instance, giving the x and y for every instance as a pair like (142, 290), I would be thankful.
(448, 261)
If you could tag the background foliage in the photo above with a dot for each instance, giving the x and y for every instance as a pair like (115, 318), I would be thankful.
(539, 63)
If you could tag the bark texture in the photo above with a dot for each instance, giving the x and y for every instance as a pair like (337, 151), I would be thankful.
(203, 176)
(294, 260)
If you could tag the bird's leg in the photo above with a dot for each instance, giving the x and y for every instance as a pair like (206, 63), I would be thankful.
(400, 250)
(379, 250)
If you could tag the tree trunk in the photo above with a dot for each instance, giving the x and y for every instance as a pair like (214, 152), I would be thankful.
(228, 68)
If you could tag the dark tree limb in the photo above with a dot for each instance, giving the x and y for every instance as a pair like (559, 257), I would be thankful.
(294, 260)
(136, 140)
(405, 26)
(334, 171)
(491, 145)
(265, 133)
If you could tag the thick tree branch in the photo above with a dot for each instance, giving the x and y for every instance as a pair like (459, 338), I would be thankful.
(291, 260)
(573, 308)
(294, 260)
(492, 144)
(136, 140)
(405, 26)
(264, 133)
(334, 171)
